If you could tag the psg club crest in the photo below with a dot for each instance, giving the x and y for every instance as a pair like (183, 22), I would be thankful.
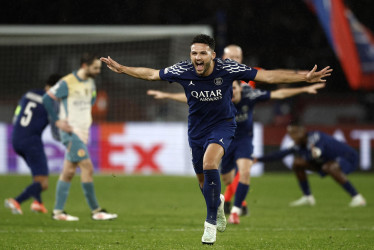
(218, 81)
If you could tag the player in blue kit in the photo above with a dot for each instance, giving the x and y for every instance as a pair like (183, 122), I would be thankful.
(239, 154)
(207, 82)
(30, 120)
(319, 152)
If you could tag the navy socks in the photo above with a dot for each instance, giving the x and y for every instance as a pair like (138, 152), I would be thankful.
(33, 190)
(349, 188)
(211, 192)
(304, 185)
(240, 194)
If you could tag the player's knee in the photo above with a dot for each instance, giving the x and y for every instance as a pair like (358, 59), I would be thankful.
(208, 165)
(42, 180)
(244, 176)
(88, 171)
(297, 167)
(226, 179)
(44, 185)
(298, 164)
(330, 167)
(68, 174)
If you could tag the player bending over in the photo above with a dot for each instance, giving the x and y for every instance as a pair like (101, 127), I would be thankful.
(321, 153)
(30, 120)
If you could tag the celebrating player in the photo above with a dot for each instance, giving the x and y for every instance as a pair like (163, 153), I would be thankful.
(319, 152)
(30, 119)
(230, 177)
(76, 93)
(207, 82)
(239, 154)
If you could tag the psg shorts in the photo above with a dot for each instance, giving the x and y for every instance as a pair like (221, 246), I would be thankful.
(76, 150)
(240, 147)
(32, 151)
(221, 134)
(347, 164)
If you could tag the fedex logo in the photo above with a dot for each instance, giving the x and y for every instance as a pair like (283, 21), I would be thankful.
(141, 148)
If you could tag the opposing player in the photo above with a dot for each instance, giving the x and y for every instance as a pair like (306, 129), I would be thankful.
(207, 82)
(321, 153)
(76, 94)
(30, 120)
(239, 154)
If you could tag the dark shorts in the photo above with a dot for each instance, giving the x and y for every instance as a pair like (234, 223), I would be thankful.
(241, 147)
(32, 151)
(221, 134)
(76, 150)
(346, 164)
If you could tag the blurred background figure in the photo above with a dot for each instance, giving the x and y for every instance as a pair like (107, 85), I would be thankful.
(321, 153)
(30, 120)
(76, 93)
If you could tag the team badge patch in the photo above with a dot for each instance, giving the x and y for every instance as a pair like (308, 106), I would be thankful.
(218, 81)
(81, 153)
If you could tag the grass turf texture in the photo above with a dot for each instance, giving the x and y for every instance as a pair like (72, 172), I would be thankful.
(165, 212)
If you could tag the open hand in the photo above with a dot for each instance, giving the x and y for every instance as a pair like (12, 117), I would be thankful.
(111, 64)
(312, 89)
(317, 77)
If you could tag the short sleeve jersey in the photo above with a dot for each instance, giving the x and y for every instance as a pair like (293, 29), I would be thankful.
(244, 115)
(76, 96)
(209, 97)
(30, 118)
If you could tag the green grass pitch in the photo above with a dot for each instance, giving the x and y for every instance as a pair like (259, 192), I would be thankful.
(168, 212)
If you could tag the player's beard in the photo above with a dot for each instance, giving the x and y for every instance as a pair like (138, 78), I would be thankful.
(91, 75)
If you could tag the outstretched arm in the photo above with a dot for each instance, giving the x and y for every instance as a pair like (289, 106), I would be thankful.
(137, 72)
(179, 97)
(274, 156)
(282, 76)
(287, 92)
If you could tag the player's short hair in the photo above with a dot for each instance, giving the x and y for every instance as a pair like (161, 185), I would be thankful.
(88, 58)
(205, 39)
(53, 79)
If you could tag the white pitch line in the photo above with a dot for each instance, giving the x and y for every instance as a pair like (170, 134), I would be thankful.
(183, 230)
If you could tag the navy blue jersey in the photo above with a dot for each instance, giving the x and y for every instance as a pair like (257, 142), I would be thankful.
(244, 115)
(330, 148)
(208, 98)
(30, 118)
